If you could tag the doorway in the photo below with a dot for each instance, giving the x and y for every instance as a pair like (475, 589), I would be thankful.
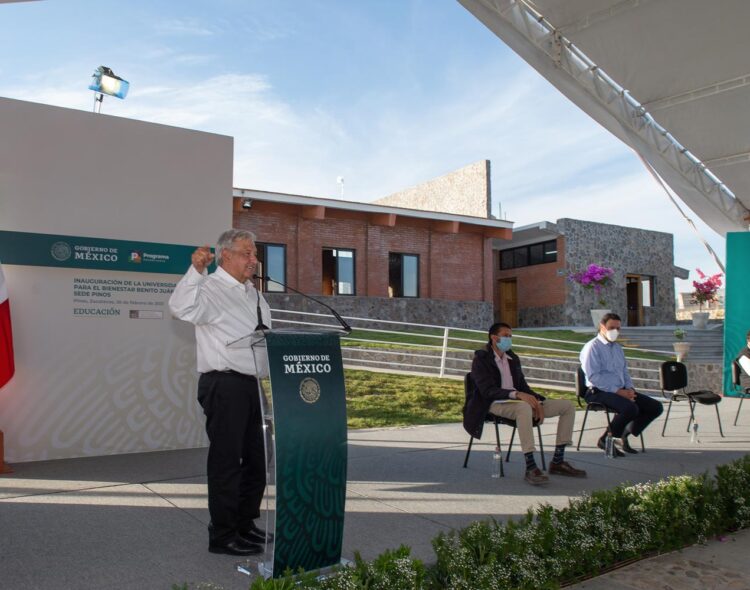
(508, 302)
(634, 295)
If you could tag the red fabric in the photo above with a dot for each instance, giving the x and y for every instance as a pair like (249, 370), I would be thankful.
(7, 366)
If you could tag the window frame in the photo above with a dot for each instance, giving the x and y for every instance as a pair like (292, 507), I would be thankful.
(264, 282)
(336, 249)
(402, 255)
(520, 253)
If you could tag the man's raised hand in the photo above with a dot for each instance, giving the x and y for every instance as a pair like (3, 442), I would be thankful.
(202, 257)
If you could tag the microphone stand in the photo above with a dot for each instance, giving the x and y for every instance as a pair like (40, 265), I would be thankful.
(347, 328)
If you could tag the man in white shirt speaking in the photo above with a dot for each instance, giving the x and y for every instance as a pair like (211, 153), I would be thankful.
(224, 306)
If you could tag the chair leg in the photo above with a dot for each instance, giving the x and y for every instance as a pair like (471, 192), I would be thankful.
(466, 459)
(510, 444)
(718, 417)
(742, 399)
(583, 427)
(541, 447)
(692, 414)
(669, 409)
(499, 448)
(643, 446)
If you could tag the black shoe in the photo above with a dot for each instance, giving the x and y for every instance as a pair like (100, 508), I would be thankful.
(602, 444)
(626, 446)
(255, 534)
(235, 548)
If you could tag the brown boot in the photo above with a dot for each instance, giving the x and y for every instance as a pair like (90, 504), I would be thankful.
(565, 468)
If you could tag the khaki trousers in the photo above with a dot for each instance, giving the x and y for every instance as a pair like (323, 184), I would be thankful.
(520, 411)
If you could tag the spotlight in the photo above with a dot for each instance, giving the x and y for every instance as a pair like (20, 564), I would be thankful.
(104, 81)
(247, 203)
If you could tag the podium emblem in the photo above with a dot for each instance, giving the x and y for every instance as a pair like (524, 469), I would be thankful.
(309, 390)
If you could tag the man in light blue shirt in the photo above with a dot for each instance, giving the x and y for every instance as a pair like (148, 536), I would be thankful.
(609, 384)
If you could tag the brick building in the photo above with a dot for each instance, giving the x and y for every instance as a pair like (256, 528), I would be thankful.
(372, 260)
(531, 274)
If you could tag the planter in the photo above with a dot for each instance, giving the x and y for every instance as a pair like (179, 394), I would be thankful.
(597, 315)
(681, 350)
(700, 320)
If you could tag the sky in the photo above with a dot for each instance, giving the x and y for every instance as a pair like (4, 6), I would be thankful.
(385, 93)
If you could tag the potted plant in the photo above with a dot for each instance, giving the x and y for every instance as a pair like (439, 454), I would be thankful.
(681, 347)
(595, 278)
(705, 292)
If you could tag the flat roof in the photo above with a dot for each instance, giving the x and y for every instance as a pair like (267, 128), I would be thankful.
(528, 234)
(286, 198)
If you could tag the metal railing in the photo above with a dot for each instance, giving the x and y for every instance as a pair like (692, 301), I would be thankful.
(445, 351)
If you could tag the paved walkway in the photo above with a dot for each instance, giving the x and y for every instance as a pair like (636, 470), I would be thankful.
(139, 521)
(719, 565)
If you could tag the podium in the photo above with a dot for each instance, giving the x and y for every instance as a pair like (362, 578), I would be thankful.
(309, 445)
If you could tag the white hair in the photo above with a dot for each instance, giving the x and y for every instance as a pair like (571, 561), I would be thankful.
(228, 238)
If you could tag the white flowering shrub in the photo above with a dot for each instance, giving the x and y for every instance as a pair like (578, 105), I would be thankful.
(548, 547)
(733, 482)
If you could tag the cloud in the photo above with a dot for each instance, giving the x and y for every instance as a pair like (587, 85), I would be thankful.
(191, 27)
(548, 160)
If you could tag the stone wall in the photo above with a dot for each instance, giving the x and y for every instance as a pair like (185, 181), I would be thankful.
(553, 315)
(626, 250)
(463, 192)
(475, 315)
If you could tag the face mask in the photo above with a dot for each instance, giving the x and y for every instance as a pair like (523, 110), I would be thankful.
(505, 343)
(612, 335)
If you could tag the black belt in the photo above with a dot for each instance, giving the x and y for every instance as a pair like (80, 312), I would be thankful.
(230, 372)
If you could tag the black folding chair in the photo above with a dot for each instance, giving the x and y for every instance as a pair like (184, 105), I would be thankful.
(737, 382)
(497, 420)
(581, 390)
(673, 378)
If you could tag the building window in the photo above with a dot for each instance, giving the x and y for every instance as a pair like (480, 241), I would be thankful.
(403, 275)
(272, 264)
(338, 272)
(647, 291)
(521, 256)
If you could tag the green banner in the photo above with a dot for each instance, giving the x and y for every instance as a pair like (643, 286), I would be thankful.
(309, 409)
(30, 249)
(736, 308)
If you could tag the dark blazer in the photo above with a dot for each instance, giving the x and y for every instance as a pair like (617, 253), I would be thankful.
(485, 387)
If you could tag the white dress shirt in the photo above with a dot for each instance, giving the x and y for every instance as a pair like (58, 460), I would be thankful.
(604, 364)
(223, 310)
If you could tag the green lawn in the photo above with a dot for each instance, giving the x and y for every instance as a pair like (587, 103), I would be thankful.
(385, 399)
(523, 341)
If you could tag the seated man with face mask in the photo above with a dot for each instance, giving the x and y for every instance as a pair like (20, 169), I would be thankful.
(609, 384)
(500, 388)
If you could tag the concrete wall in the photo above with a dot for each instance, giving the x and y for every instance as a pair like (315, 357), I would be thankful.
(464, 192)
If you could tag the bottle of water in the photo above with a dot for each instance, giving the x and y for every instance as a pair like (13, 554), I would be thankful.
(496, 460)
(694, 433)
(609, 446)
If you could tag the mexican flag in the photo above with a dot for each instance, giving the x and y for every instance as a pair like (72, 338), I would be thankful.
(7, 366)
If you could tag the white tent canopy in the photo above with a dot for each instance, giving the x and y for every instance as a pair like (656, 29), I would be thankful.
(670, 78)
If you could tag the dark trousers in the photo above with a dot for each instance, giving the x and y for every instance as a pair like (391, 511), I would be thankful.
(639, 413)
(236, 466)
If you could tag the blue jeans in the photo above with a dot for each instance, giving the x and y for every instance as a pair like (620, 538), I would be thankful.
(639, 413)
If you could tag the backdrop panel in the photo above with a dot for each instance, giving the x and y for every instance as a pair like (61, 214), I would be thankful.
(98, 217)
(737, 306)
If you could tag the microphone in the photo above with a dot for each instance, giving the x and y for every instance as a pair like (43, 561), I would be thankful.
(261, 325)
(347, 328)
